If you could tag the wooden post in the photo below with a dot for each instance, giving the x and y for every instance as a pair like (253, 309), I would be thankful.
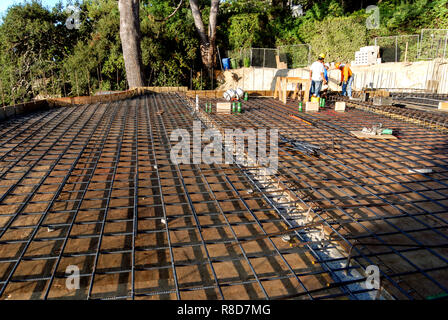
(306, 95)
(284, 89)
(277, 88)
(406, 53)
(281, 88)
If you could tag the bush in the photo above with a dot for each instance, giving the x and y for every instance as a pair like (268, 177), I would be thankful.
(244, 30)
(339, 38)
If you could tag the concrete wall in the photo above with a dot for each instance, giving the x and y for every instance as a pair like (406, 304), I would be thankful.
(424, 75)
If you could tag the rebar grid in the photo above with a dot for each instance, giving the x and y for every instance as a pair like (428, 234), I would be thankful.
(94, 187)
(358, 171)
(90, 187)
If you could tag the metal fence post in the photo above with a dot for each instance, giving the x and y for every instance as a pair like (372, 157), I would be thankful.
(444, 49)
(396, 49)
(250, 56)
(264, 58)
(309, 54)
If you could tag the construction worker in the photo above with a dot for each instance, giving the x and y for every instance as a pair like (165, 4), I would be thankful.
(317, 76)
(346, 78)
(327, 67)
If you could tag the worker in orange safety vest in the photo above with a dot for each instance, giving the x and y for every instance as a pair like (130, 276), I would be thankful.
(346, 78)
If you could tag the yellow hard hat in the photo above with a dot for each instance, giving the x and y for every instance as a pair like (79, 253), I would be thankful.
(322, 56)
(337, 65)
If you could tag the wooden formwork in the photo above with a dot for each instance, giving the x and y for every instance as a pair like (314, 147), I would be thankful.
(27, 107)
(217, 94)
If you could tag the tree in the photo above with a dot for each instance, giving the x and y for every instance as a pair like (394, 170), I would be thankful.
(208, 40)
(130, 41)
(96, 61)
(33, 44)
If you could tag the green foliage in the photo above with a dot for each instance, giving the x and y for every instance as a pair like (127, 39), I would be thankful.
(33, 45)
(245, 30)
(440, 12)
(169, 49)
(97, 62)
(41, 57)
(339, 38)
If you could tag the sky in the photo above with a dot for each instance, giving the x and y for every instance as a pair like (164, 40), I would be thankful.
(4, 4)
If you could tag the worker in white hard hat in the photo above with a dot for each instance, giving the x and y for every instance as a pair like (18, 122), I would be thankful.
(317, 76)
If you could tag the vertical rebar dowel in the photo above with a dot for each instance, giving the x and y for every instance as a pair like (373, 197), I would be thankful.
(77, 86)
(1, 88)
(99, 78)
(52, 81)
(88, 80)
(63, 83)
(45, 82)
(12, 88)
(31, 81)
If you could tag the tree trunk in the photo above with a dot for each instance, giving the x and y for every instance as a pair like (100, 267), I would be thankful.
(130, 41)
(208, 40)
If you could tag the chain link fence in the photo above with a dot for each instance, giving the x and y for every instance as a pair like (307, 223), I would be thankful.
(398, 48)
(295, 56)
(253, 57)
(433, 44)
(430, 44)
(264, 57)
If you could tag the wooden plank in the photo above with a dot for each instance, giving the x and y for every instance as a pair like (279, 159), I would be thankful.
(362, 135)
(223, 108)
(443, 105)
(306, 97)
(284, 88)
(276, 90)
(312, 106)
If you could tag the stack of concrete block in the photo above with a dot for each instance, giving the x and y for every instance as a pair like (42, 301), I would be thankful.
(367, 56)
(339, 106)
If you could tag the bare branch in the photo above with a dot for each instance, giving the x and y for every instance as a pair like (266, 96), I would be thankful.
(172, 14)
